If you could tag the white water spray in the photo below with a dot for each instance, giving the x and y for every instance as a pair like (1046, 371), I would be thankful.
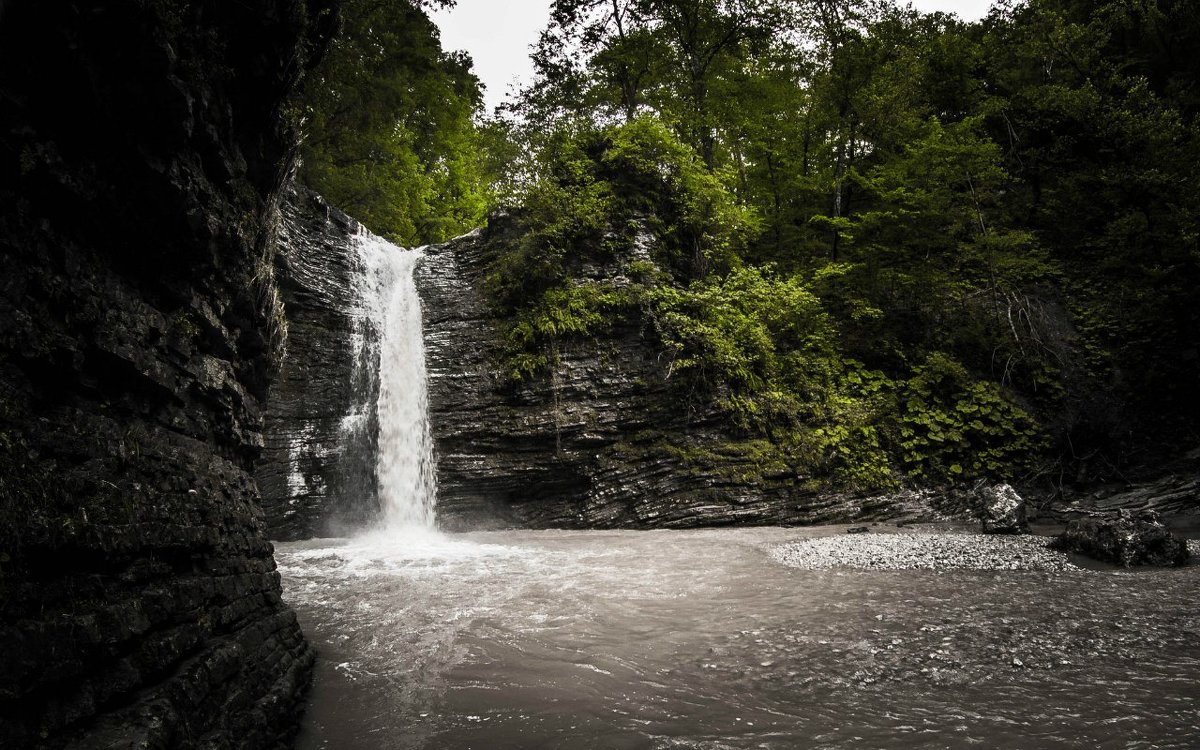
(404, 466)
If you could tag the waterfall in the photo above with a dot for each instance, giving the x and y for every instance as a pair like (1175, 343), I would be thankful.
(391, 350)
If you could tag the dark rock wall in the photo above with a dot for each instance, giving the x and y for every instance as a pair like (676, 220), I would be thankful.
(317, 472)
(142, 149)
(598, 443)
(1175, 495)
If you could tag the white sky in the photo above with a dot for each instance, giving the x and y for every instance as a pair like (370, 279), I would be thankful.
(498, 33)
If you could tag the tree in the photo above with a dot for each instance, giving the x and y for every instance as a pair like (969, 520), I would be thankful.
(391, 133)
(1001, 214)
(1099, 115)
(604, 56)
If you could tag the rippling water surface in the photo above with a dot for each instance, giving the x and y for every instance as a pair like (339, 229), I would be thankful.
(702, 639)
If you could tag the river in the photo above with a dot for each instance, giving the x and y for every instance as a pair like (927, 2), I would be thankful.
(704, 639)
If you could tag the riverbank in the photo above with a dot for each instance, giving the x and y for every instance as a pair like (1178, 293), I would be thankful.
(928, 547)
(933, 548)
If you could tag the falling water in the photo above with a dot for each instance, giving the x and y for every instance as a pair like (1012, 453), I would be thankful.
(404, 467)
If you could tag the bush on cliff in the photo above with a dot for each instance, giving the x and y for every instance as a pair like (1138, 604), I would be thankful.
(624, 225)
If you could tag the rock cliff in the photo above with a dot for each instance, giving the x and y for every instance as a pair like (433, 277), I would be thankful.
(143, 147)
(597, 443)
(317, 471)
(600, 442)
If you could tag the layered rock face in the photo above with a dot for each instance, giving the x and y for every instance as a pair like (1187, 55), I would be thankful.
(142, 150)
(598, 443)
(317, 471)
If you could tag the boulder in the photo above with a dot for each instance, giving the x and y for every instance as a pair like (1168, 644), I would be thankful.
(1125, 539)
(1002, 510)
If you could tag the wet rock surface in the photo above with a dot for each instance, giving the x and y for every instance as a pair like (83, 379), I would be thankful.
(597, 443)
(600, 442)
(317, 473)
(142, 151)
(1175, 495)
(1125, 539)
(1002, 510)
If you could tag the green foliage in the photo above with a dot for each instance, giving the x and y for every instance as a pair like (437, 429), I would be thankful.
(727, 332)
(621, 58)
(853, 409)
(740, 460)
(777, 351)
(565, 212)
(597, 190)
(932, 218)
(1104, 113)
(700, 225)
(391, 136)
(766, 349)
(952, 426)
(586, 309)
(796, 203)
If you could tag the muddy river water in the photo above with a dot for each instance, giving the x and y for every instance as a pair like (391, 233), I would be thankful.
(706, 639)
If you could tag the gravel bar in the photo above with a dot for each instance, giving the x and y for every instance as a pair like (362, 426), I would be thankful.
(921, 550)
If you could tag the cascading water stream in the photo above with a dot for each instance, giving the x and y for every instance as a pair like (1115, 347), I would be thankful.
(405, 468)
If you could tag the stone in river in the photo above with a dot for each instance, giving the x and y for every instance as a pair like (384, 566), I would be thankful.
(1124, 539)
(1002, 510)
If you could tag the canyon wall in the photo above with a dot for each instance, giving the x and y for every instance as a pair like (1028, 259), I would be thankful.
(605, 438)
(317, 471)
(143, 149)
(600, 441)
